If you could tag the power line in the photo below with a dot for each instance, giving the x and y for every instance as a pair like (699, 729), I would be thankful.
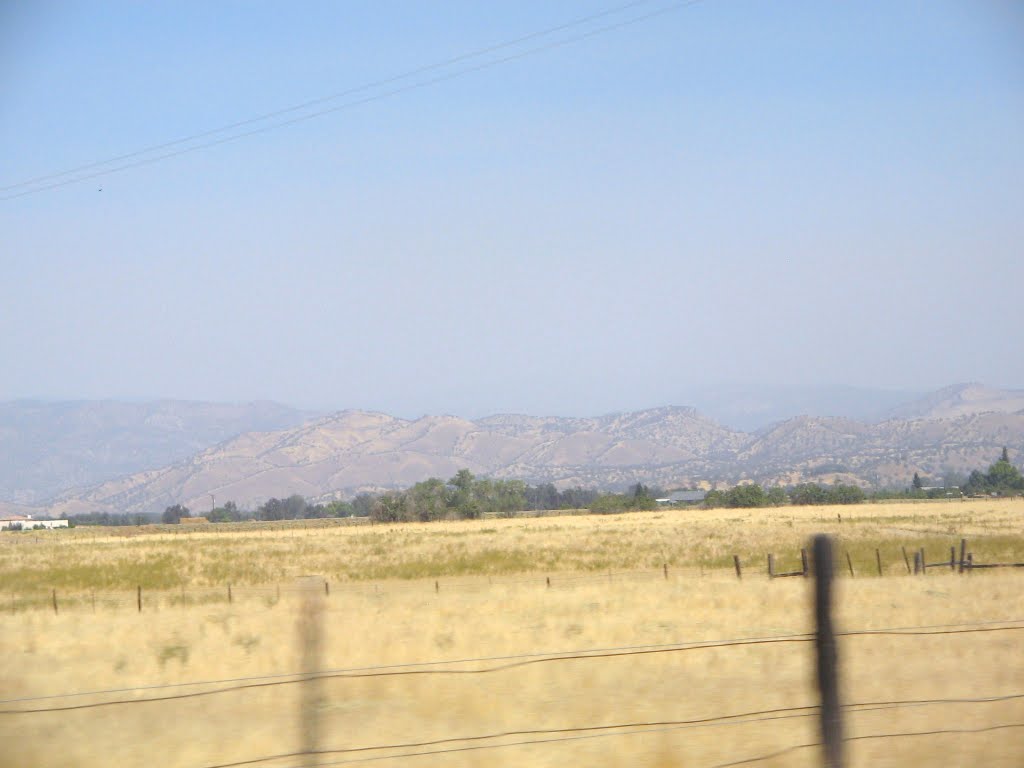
(346, 105)
(332, 96)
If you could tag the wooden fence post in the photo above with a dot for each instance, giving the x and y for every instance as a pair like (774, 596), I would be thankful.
(970, 563)
(437, 587)
(917, 561)
(849, 562)
(828, 684)
(952, 558)
(963, 550)
(665, 569)
(736, 562)
(138, 597)
(54, 595)
(906, 559)
(924, 563)
(878, 559)
(803, 562)
(311, 630)
(327, 588)
(771, 566)
(231, 597)
(549, 581)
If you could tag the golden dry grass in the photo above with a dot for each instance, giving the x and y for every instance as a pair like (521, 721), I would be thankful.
(493, 601)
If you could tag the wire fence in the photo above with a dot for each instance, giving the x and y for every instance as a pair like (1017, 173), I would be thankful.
(269, 595)
(141, 695)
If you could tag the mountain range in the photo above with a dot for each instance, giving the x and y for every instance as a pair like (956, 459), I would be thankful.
(953, 430)
(49, 447)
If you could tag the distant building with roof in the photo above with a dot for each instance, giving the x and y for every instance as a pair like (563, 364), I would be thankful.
(683, 497)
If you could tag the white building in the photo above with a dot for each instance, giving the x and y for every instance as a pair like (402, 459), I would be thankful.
(26, 523)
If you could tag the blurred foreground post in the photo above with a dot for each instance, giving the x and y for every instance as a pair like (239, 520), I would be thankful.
(310, 638)
(828, 685)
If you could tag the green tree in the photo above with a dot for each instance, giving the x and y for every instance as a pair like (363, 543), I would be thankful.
(229, 513)
(428, 500)
(917, 482)
(746, 495)
(389, 508)
(845, 494)
(339, 508)
(173, 515)
(714, 499)
(362, 504)
(808, 494)
(643, 498)
(461, 497)
(1002, 478)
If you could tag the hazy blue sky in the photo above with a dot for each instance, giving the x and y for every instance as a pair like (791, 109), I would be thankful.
(731, 192)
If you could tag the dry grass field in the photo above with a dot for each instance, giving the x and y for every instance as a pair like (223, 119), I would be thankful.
(491, 599)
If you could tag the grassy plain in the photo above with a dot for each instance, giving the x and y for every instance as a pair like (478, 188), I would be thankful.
(492, 599)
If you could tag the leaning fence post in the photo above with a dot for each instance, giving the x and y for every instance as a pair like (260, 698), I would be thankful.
(803, 562)
(963, 550)
(736, 562)
(878, 559)
(849, 562)
(771, 566)
(828, 685)
(906, 559)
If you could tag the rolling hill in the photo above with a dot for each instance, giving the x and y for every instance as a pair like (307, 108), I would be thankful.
(353, 451)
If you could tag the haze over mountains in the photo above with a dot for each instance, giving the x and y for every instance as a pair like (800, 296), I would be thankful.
(953, 430)
(48, 447)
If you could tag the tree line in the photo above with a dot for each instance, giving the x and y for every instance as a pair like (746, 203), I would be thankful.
(465, 496)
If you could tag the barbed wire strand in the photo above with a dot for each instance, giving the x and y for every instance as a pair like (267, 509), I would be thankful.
(867, 737)
(402, 673)
(660, 730)
(743, 717)
(542, 656)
